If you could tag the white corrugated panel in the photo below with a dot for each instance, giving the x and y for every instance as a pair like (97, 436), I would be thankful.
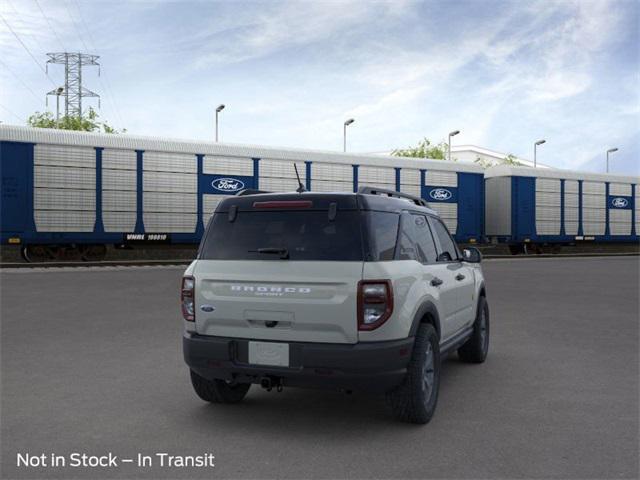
(331, 186)
(170, 202)
(593, 187)
(571, 217)
(570, 228)
(571, 186)
(414, 190)
(169, 182)
(119, 201)
(218, 165)
(409, 176)
(170, 222)
(376, 176)
(119, 159)
(64, 199)
(64, 156)
(64, 193)
(64, 177)
(571, 203)
(169, 162)
(547, 206)
(620, 189)
(209, 205)
(331, 171)
(594, 203)
(279, 169)
(279, 184)
(449, 214)
(619, 221)
(119, 221)
(441, 178)
(64, 220)
(547, 185)
(119, 180)
(384, 186)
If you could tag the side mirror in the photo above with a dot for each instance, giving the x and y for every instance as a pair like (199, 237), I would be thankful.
(472, 255)
(444, 257)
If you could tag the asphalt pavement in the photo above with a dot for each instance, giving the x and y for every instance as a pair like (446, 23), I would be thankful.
(91, 362)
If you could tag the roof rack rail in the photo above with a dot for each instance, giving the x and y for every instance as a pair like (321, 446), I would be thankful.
(392, 193)
(250, 191)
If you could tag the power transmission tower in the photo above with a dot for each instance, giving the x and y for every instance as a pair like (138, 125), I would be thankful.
(73, 91)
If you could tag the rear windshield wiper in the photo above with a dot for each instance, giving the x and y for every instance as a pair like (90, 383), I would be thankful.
(283, 252)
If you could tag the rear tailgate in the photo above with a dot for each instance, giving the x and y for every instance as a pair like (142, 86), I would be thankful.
(283, 300)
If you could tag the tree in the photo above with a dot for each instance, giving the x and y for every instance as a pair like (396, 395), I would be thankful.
(424, 149)
(86, 123)
(510, 159)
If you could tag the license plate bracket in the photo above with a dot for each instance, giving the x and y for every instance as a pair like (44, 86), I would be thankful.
(274, 354)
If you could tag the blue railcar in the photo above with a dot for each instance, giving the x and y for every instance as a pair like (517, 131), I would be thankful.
(526, 206)
(66, 190)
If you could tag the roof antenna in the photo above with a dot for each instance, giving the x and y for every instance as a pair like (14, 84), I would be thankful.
(300, 188)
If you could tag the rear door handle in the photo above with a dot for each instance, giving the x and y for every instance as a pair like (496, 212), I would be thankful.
(436, 282)
(460, 277)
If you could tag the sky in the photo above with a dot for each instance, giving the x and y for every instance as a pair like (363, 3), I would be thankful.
(504, 73)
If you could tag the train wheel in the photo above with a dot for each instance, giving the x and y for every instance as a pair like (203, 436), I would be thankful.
(37, 253)
(516, 249)
(93, 253)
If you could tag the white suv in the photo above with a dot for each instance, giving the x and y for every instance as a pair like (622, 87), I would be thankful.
(352, 291)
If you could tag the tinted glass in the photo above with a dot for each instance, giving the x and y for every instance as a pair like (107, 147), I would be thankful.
(304, 235)
(382, 233)
(448, 247)
(408, 240)
(425, 244)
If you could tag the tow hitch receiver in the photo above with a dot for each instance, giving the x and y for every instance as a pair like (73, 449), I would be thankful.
(268, 383)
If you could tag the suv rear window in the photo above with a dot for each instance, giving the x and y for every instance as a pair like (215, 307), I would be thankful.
(272, 235)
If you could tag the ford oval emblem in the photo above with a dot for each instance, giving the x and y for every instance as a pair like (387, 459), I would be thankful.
(619, 202)
(440, 194)
(228, 184)
(207, 308)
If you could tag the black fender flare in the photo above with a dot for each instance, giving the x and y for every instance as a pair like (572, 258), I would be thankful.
(427, 308)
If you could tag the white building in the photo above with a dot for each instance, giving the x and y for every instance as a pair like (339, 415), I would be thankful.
(470, 153)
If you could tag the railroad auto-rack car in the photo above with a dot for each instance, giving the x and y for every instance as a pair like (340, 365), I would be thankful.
(528, 208)
(77, 191)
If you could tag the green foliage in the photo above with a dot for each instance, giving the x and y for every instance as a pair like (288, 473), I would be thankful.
(508, 160)
(86, 123)
(425, 149)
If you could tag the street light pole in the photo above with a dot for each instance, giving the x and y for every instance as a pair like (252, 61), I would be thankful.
(218, 110)
(344, 133)
(59, 91)
(535, 152)
(452, 134)
(611, 150)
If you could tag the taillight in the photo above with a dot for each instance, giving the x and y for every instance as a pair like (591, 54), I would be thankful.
(187, 298)
(375, 303)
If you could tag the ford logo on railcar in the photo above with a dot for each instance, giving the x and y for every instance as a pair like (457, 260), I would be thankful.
(619, 202)
(440, 194)
(228, 184)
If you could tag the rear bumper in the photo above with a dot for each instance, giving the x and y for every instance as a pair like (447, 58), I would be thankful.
(374, 366)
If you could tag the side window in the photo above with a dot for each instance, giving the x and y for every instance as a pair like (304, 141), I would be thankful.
(448, 250)
(382, 228)
(406, 241)
(424, 240)
(415, 241)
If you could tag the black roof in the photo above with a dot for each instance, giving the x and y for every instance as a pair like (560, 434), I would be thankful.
(321, 201)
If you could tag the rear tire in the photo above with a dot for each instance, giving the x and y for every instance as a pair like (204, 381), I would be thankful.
(218, 391)
(416, 398)
(476, 348)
